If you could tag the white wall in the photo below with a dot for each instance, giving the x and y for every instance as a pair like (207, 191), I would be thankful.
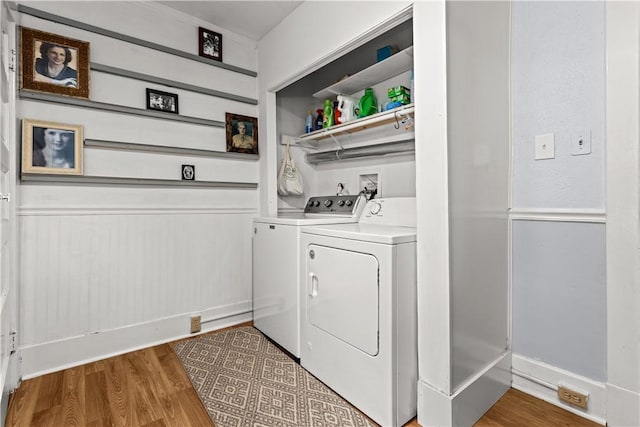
(292, 50)
(108, 268)
(623, 216)
(479, 160)
(461, 57)
(559, 266)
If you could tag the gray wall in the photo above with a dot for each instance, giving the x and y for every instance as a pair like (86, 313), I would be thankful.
(559, 303)
(559, 282)
(558, 87)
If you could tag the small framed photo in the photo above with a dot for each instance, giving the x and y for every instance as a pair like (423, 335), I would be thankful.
(188, 172)
(162, 101)
(242, 133)
(51, 148)
(53, 64)
(210, 44)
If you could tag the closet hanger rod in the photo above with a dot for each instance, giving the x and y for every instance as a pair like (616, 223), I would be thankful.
(359, 152)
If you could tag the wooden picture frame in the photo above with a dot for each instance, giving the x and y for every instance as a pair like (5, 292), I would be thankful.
(51, 148)
(162, 101)
(51, 63)
(242, 133)
(209, 44)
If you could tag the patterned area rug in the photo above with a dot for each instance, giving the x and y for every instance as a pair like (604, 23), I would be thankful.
(245, 380)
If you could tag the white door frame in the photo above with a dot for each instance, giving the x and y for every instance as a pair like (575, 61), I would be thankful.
(623, 212)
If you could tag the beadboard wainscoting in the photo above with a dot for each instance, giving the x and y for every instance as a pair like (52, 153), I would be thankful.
(121, 257)
(98, 281)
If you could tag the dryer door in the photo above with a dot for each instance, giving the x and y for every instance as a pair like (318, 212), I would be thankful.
(342, 295)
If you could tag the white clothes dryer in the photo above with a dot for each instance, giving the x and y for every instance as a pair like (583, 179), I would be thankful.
(359, 325)
(276, 270)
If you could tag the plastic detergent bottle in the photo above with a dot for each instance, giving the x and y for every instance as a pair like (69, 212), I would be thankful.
(319, 119)
(336, 113)
(308, 125)
(368, 103)
(328, 114)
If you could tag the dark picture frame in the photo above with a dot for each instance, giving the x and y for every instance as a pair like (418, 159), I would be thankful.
(51, 148)
(51, 63)
(209, 44)
(188, 173)
(242, 133)
(162, 101)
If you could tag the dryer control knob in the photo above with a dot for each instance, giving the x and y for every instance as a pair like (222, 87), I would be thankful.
(328, 203)
(340, 202)
(375, 208)
(349, 202)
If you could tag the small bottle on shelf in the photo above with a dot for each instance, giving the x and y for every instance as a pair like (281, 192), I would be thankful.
(308, 125)
(319, 119)
(328, 114)
(336, 113)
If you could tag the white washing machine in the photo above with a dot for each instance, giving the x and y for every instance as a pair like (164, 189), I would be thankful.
(359, 308)
(276, 269)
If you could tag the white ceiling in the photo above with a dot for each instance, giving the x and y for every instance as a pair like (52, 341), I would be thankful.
(252, 19)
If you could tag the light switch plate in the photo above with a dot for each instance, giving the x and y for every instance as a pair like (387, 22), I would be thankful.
(545, 147)
(581, 143)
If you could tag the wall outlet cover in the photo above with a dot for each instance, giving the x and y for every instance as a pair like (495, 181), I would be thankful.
(195, 324)
(573, 397)
(581, 143)
(545, 147)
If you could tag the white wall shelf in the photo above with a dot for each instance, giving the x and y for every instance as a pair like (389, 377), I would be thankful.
(170, 83)
(151, 148)
(86, 103)
(133, 40)
(378, 72)
(128, 181)
(390, 117)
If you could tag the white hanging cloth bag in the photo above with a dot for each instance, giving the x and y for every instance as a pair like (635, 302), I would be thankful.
(289, 178)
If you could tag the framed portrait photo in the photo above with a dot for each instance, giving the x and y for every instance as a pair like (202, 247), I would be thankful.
(51, 148)
(210, 44)
(53, 64)
(188, 172)
(242, 133)
(162, 101)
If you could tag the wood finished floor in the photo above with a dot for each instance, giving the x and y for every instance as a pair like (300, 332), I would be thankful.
(150, 388)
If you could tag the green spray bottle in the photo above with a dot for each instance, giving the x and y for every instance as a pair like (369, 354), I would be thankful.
(328, 114)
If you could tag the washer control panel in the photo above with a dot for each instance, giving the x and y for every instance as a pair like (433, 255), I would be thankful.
(332, 205)
(393, 211)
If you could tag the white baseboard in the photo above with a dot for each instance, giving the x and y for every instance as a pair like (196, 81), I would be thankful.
(541, 380)
(470, 402)
(57, 355)
(623, 407)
